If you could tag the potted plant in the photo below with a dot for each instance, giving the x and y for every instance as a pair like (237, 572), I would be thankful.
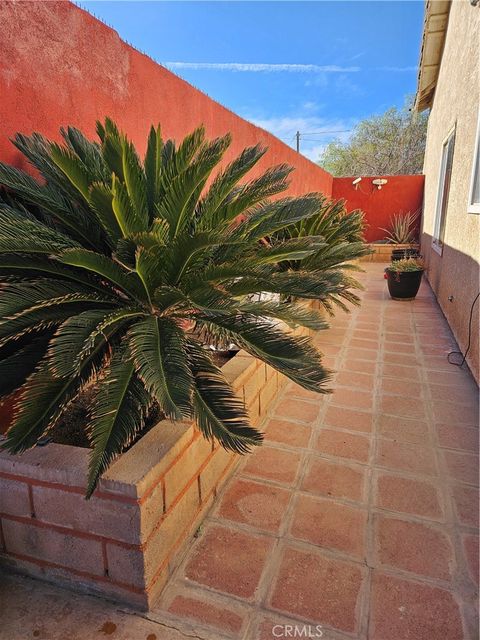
(402, 231)
(404, 277)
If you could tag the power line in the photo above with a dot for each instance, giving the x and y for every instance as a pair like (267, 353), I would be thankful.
(321, 133)
(300, 135)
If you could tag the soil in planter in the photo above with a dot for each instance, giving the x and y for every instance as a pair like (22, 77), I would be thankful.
(70, 429)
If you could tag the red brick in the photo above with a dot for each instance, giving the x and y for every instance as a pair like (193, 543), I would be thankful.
(367, 334)
(327, 478)
(297, 410)
(14, 498)
(329, 349)
(470, 547)
(461, 466)
(405, 610)
(299, 392)
(400, 371)
(349, 419)
(454, 436)
(408, 496)
(273, 464)
(259, 505)
(363, 381)
(361, 366)
(46, 544)
(400, 358)
(289, 433)
(363, 343)
(405, 456)
(400, 406)
(330, 524)
(364, 325)
(229, 561)
(318, 588)
(206, 613)
(446, 412)
(437, 362)
(452, 377)
(352, 398)
(402, 429)
(414, 547)
(344, 445)
(466, 501)
(456, 394)
(362, 354)
(397, 387)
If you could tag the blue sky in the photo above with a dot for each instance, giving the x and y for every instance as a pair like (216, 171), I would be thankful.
(286, 66)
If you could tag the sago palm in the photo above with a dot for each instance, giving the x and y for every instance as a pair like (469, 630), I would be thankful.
(111, 267)
(343, 243)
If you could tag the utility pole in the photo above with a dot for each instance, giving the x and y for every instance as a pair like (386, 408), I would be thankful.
(297, 135)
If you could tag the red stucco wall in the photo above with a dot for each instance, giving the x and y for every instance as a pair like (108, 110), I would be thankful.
(401, 193)
(61, 66)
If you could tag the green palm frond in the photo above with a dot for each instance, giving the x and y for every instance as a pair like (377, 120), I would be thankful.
(22, 234)
(220, 414)
(108, 269)
(153, 168)
(75, 338)
(158, 350)
(18, 361)
(293, 356)
(71, 165)
(177, 205)
(135, 183)
(118, 413)
(208, 207)
(292, 314)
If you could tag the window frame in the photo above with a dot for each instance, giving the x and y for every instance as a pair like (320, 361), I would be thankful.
(474, 207)
(437, 243)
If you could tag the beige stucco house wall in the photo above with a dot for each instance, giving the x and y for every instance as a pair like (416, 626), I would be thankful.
(449, 83)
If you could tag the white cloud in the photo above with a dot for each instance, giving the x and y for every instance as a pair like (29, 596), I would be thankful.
(263, 67)
(396, 69)
(316, 131)
(260, 67)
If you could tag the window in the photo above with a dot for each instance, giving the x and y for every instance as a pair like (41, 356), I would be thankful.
(443, 191)
(474, 194)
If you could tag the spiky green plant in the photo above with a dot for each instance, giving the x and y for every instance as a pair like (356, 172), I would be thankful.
(342, 238)
(407, 264)
(402, 227)
(111, 267)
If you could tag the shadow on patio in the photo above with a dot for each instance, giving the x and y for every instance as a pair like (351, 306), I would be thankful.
(359, 514)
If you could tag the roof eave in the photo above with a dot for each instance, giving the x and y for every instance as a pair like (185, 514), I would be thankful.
(433, 40)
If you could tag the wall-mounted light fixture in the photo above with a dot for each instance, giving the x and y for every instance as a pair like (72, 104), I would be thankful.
(379, 182)
(356, 182)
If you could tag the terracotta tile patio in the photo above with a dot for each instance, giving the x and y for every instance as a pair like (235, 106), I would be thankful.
(360, 513)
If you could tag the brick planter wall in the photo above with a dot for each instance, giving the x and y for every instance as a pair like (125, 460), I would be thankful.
(383, 252)
(126, 540)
